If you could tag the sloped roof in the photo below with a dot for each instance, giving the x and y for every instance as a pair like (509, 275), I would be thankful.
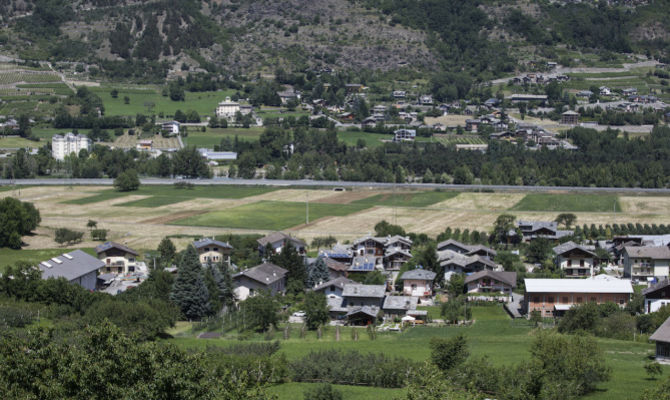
(335, 265)
(653, 252)
(113, 245)
(266, 273)
(418, 274)
(338, 282)
(364, 263)
(477, 247)
(657, 286)
(210, 242)
(569, 246)
(335, 304)
(360, 290)
(453, 242)
(371, 311)
(662, 334)
(578, 286)
(275, 237)
(70, 265)
(400, 303)
(501, 276)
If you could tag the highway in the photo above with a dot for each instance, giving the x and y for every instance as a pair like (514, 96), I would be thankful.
(333, 184)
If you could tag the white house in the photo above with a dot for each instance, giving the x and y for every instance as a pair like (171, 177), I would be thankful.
(656, 296)
(172, 127)
(64, 145)
(646, 263)
(575, 260)
(118, 259)
(227, 109)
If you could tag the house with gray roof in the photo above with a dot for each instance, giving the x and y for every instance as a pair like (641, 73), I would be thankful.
(540, 229)
(213, 251)
(662, 339)
(118, 258)
(646, 263)
(656, 296)
(334, 287)
(487, 281)
(266, 276)
(75, 266)
(460, 263)
(399, 305)
(275, 241)
(575, 260)
(418, 283)
(467, 249)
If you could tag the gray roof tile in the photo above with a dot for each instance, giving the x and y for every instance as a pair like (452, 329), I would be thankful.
(70, 266)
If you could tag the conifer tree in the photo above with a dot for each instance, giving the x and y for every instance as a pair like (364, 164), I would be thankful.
(290, 260)
(167, 252)
(318, 273)
(189, 291)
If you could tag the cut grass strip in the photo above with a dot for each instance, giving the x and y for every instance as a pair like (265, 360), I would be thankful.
(568, 202)
(270, 215)
(409, 199)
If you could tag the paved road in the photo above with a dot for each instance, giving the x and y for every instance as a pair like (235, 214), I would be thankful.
(334, 184)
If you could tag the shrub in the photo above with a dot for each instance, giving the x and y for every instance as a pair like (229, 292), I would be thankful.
(323, 392)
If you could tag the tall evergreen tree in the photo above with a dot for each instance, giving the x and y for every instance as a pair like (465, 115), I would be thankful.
(189, 291)
(318, 273)
(167, 252)
(289, 259)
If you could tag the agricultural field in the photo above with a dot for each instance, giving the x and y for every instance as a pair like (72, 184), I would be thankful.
(203, 102)
(142, 218)
(213, 136)
(126, 141)
(18, 142)
(569, 202)
(9, 77)
(494, 335)
(270, 215)
(459, 139)
(372, 140)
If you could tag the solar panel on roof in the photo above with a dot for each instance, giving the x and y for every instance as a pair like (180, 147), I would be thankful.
(46, 264)
(69, 257)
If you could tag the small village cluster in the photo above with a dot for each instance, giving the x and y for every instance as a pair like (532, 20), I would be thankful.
(636, 260)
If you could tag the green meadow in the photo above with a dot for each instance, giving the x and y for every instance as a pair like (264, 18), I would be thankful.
(272, 215)
(407, 199)
(569, 202)
(168, 194)
(213, 136)
(493, 335)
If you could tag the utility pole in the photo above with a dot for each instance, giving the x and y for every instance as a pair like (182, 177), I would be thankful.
(306, 208)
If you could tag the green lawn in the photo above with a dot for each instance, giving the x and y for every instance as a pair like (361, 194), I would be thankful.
(568, 202)
(213, 136)
(494, 335)
(203, 102)
(9, 257)
(17, 142)
(371, 139)
(168, 194)
(407, 199)
(272, 215)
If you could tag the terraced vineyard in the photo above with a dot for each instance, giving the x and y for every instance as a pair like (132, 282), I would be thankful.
(12, 77)
(459, 139)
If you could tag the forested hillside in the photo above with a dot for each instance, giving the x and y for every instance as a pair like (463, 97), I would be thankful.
(465, 41)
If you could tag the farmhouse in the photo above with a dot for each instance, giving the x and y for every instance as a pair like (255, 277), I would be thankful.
(227, 109)
(656, 296)
(662, 339)
(336, 269)
(570, 118)
(491, 282)
(262, 277)
(334, 287)
(276, 241)
(363, 302)
(540, 229)
(399, 305)
(552, 297)
(64, 145)
(213, 251)
(418, 283)
(118, 258)
(76, 267)
(575, 260)
(452, 262)
(646, 263)
(469, 250)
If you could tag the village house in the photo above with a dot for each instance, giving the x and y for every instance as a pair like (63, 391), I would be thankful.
(584, 94)
(171, 127)
(486, 281)
(76, 267)
(404, 135)
(629, 91)
(656, 296)
(552, 297)
(426, 100)
(398, 306)
(575, 260)
(334, 287)
(227, 109)
(467, 249)
(213, 251)
(418, 283)
(399, 94)
(339, 252)
(570, 118)
(540, 229)
(266, 276)
(646, 263)
(276, 241)
(336, 269)
(362, 302)
(211, 155)
(117, 258)
(456, 262)
(662, 339)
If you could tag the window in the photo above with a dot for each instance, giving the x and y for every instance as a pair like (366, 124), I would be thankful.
(108, 269)
(131, 269)
(593, 300)
(569, 263)
(550, 299)
(622, 301)
(581, 263)
(332, 288)
(579, 300)
(536, 299)
(565, 299)
(206, 248)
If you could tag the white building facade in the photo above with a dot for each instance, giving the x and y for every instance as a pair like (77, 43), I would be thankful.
(227, 109)
(64, 145)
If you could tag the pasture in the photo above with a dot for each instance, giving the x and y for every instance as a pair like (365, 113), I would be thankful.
(494, 335)
(407, 199)
(569, 202)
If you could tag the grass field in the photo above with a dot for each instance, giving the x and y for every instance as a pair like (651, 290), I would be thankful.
(371, 139)
(213, 136)
(296, 390)
(166, 194)
(568, 202)
(494, 335)
(273, 215)
(409, 199)
(9, 257)
(202, 102)
(18, 142)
